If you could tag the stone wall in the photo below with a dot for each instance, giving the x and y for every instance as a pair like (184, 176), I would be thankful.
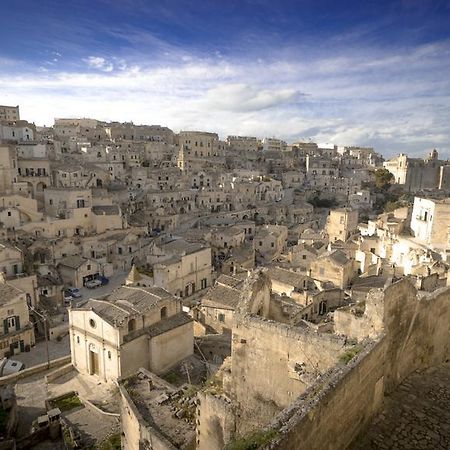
(273, 363)
(216, 423)
(341, 404)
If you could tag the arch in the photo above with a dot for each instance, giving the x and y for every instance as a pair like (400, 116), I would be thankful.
(40, 187)
(163, 312)
(131, 325)
(322, 307)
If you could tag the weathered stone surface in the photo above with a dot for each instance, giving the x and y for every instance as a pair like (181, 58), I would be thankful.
(416, 416)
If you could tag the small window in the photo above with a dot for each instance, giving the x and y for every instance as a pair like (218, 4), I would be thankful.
(221, 317)
(109, 354)
(92, 323)
(163, 312)
(78, 339)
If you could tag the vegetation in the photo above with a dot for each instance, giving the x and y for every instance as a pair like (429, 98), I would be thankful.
(171, 377)
(318, 202)
(252, 441)
(214, 385)
(349, 354)
(113, 442)
(383, 179)
(67, 402)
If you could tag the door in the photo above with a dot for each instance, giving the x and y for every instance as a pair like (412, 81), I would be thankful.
(22, 346)
(94, 363)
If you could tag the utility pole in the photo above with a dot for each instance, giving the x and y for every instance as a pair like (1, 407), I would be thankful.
(44, 319)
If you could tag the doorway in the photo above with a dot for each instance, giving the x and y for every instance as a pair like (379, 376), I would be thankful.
(94, 367)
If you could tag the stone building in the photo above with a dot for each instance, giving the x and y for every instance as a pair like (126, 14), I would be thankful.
(333, 267)
(133, 327)
(17, 332)
(76, 271)
(416, 173)
(271, 364)
(430, 221)
(341, 223)
(147, 414)
(9, 113)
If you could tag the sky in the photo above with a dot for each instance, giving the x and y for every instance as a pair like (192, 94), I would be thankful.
(374, 73)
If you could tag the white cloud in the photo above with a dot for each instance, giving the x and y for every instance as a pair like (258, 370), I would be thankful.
(99, 63)
(395, 100)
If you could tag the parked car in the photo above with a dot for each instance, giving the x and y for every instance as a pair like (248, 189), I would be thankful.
(73, 292)
(9, 366)
(104, 280)
(68, 299)
(93, 284)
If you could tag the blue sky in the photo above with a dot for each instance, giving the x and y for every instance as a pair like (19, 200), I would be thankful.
(355, 72)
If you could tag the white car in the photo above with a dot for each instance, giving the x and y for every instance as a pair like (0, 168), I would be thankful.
(9, 366)
(93, 284)
(68, 299)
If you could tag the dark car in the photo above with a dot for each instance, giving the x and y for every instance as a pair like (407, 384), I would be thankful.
(104, 280)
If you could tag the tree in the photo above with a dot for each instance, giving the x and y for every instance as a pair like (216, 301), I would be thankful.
(383, 179)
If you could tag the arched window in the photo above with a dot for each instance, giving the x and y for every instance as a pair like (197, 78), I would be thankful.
(131, 325)
(163, 312)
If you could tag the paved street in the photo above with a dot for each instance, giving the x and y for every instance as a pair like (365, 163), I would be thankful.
(38, 353)
(114, 282)
(415, 417)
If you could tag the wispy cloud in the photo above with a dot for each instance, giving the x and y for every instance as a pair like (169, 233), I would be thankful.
(393, 97)
(99, 63)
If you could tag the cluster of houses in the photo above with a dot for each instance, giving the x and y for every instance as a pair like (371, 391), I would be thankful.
(187, 222)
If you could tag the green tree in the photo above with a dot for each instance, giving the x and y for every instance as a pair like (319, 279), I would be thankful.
(383, 179)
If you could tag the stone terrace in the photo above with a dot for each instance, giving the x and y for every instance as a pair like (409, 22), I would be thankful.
(415, 417)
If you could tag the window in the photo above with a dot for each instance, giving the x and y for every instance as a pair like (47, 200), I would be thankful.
(163, 312)
(88, 267)
(78, 339)
(131, 325)
(204, 282)
(221, 317)
(272, 244)
(303, 256)
(109, 354)
(92, 323)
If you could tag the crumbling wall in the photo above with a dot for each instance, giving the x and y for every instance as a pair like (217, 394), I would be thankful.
(331, 413)
(353, 323)
(339, 407)
(273, 363)
(215, 421)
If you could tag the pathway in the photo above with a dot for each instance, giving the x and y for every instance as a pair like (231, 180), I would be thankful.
(415, 417)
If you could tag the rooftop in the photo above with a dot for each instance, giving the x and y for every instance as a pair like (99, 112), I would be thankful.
(168, 411)
(125, 302)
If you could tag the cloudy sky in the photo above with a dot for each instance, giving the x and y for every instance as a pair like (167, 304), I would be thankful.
(369, 72)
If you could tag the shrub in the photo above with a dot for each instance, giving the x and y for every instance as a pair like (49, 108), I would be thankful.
(252, 441)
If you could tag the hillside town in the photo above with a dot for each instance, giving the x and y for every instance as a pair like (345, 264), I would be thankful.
(165, 290)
